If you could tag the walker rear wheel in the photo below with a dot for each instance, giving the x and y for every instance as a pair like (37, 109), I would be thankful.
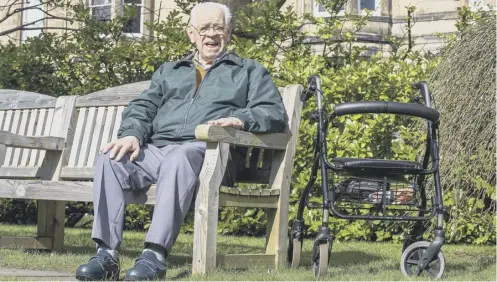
(321, 260)
(294, 252)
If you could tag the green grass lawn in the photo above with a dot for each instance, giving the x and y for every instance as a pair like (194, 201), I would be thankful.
(349, 261)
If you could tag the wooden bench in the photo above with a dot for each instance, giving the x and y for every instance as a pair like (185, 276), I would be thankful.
(82, 124)
(24, 114)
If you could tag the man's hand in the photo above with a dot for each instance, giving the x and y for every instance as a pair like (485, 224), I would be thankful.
(230, 121)
(122, 146)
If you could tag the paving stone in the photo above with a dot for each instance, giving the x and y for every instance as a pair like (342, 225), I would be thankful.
(27, 274)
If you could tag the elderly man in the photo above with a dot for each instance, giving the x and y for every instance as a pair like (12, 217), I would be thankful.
(157, 143)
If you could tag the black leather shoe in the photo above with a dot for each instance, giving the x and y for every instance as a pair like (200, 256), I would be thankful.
(100, 267)
(147, 267)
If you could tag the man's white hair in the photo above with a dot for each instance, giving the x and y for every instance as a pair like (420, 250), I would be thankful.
(207, 5)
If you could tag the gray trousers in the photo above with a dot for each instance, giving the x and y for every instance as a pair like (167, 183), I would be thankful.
(175, 170)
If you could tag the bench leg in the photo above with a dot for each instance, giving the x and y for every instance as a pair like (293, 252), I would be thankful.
(51, 220)
(206, 208)
(276, 235)
(270, 215)
(277, 243)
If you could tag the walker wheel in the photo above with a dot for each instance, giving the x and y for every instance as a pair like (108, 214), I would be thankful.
(321, 261)
(412, 256)
(294, 251)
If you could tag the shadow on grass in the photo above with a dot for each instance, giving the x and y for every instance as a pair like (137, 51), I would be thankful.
(68, 249)
(181, 275)
(133, 247)
(342, 258)
(480, 265)
(181, 253)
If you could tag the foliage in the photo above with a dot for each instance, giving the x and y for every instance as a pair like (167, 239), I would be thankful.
(96, 57)
(19, 212)
(466, 100)
(100, 56)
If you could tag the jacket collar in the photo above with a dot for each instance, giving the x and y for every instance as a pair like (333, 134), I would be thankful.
(227, 56)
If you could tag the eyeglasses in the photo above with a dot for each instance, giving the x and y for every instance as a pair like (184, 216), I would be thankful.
(203, 30)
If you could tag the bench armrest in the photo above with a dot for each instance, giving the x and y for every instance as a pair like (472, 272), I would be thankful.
(48, 143)
(216, 133)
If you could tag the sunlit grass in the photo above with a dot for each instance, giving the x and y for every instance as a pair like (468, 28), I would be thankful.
(349, 261)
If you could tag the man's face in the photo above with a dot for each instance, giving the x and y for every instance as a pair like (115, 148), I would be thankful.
(209, 34)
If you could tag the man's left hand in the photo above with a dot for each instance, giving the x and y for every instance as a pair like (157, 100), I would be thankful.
(230, 121)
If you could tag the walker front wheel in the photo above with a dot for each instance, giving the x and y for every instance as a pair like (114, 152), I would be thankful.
(411, 258)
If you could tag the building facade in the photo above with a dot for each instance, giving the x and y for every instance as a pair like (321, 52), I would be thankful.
(388, 18)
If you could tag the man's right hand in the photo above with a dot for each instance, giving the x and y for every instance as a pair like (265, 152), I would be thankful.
(122, 146)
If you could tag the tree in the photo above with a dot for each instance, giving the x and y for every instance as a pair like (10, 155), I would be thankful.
(47, 10)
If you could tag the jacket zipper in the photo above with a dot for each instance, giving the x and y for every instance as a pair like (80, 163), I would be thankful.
(193, 99)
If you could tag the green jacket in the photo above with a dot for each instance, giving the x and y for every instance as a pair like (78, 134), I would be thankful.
(171, 108)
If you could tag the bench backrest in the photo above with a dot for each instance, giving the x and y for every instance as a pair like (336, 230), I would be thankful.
(99, 117)
(24, 113)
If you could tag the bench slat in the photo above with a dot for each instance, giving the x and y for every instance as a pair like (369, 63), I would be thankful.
(109, 121)
(249, 192)
(29, 132)
(18, 99)
(77, 173)
(78, 135)
(2, 117)
(96, 136)
(117, 123)
(5, 127)
(40, 123)
(115, 96)
(46, 132)
(22, 131)
(8, 121)
(260, 158)
(23, 141)
(62, 191)
(13, 128)
(87, 136)
(2, 147)
(19, 172)
(247, 158)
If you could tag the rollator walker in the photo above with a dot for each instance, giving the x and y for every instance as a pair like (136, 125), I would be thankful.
(375, 189)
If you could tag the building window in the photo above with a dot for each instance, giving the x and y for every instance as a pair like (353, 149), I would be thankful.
(32, 18)
(357, 5)
(318, 10)
(100, 10)
(372, 5)
(135, 26)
